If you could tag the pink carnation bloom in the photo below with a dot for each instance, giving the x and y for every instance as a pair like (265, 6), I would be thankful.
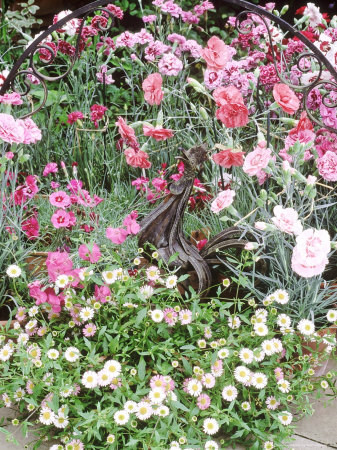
(152, 87)
(31, 132)
(60, 219)
(93, 255)
(50, 168)
(74, 116)
(286, 219)
(203, 401)
(9, 155)
(132, 227)
(158, 133)
(216, 54)
(223, 200)
(60, 199)
(10, 130)
(116, 235)
(31, 228)
(137, 158)
(286, 98)
(11, 99)
(327, 166)
(232, 112)
(127, 133)
(310, 253)
(102, 293)
(58, 263)
(170, 65)
(257, 160)
(149, 19)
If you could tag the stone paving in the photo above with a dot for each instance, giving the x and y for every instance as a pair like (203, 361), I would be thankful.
(318, 432)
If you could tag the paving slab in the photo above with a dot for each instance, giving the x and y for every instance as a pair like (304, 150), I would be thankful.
(302, 443)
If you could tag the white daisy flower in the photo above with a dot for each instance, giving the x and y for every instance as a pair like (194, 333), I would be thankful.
(53, 353)
(306, 327)
(246, 355)
(277, 344)
(111, 439)
(245, 406)
(283, 320)
(162, 411)
(258, 354)
(104, 377)
(259, 380)
(62, 281)
(109, 276)
(175, 446)
(272, 403)
(31, 325)
(202, 343)
(5, 352)
(171, 281)
(261, 313)
(211, 445)
(130, 406)
(284, 386)
(121, 417)
(194, 387)
(6, 399)
(242, 374)
(89, 379)
(223, 353)
(281, 296)
(114, 367)
(72, 354)
(19, 394)
(234, 322)
(268, 347)
(33, 311)
(144, 411)
(152, 273)
(60, 421)
(46, 416)
(285, 417)
(324, 384)
(157, 396)
(208, 380)
(157, 315)
(268, 445)
(229, 393)
(332, 315)
(261, 329)
(87, 314)
(210, 426)
(13, 271)
(66, 392)
(146, 291)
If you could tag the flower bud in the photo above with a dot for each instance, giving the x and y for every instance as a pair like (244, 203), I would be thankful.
(196, 85)
(203, 113)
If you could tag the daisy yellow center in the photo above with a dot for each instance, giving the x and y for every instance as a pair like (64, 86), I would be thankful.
(281, 296)
(109, 275)
(242, 373)
(33, 353)
(210, 425)
(143, 410)
(46, 415)
(284, 418)
(308, 327)
(104, 376)
(90, 379)
(195, 387)
(5, 352)
(112, 369)
(229, 392)
(121, 417)
(157, 395)
(259, 380)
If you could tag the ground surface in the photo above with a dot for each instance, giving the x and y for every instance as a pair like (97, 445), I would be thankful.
(318, 432)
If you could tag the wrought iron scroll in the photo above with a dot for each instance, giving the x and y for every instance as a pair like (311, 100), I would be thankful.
(38, 44)
(251, 10)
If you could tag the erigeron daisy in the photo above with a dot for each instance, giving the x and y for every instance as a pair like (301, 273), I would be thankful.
(210, 426)
(223, 353)
(130, 406)
(19, 394)
(306, 327)
(31, 325)
(171, 281)
(23, 338)
(277, 344)
(281, 296)
(121, 417)
(6, 352)
(111, 439)
(246, 355)
(146, 291)
(229, 393)
(245, 406)
(196, 370)
(6, 399)
(211, 445)
(109, 276)
(283, 320)
(242, 374)
(66, 392)
(185, 316)
(175, 364)
(72, 354)
(157, 396)
(182, 440)
(324, 384)
(53, 353)
(30, 407)
(13, 271)
(56, 447)
(261, 329)
(33, 311)
(284, 386)
(152, 273)
(285, 417)
(144, 411)
(114, 367)
(174, 445)
(268, 445)
(208, 380)
(272, 403)
(60, 421)
(194, 387)
(234, 322)
(46, 416)
(259, 380)
(61, 281)
(89, 379)
(262, 313)
(157, 315)
(258, 354)
(87, 314)
(268, 347)
(332, 315)
(202, 343)
(213, 344)
(104, 377)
